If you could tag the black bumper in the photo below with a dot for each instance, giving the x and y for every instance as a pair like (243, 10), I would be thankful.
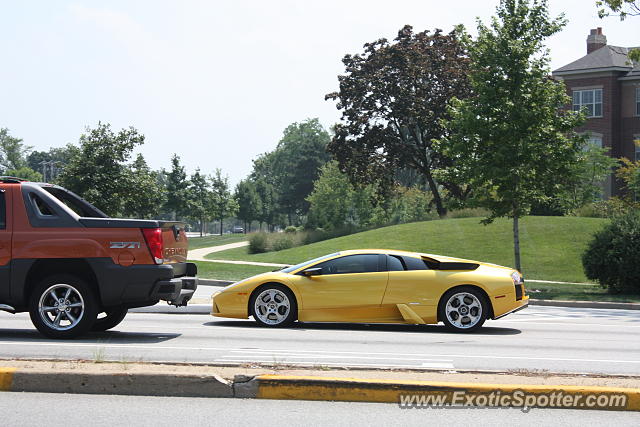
(177, 291)
(144, 285)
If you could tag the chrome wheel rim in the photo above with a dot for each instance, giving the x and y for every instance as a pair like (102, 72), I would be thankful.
(272, 306)
(463, 310)
(61, 307)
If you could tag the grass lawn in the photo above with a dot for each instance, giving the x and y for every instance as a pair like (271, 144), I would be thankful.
(551, 247)
(222, 271)
(559, 291)
(216, 240)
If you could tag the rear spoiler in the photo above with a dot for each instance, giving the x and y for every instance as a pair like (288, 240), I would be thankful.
(434, 264)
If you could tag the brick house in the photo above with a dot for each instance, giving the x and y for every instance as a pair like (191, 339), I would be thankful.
(606, 84)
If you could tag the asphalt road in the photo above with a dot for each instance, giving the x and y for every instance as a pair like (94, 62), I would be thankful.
(538, 338)
(37, 409)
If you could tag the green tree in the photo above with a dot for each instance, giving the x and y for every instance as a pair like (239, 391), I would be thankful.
(177, 190)
(268, 202)
(25, 173)
(393, 98)
(50, 163)
(223, 205)
(512, 141)
(629, 174)
(148, 194)
(622, 9)
(584, 183)
(13, 152)
(296, 164)
(336, 203)
(200, 199)
(99, 172)
(249, 203)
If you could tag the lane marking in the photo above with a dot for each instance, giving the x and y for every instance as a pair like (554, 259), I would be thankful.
(328, 356)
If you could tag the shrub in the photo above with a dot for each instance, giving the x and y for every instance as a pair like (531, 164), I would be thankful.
(258, 243)
(282, 242)
(612, 256)
(604, 209)
(290, 229)
(468, 213)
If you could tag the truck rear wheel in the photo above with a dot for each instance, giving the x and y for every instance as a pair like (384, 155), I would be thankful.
(111, 319)
(63, 306)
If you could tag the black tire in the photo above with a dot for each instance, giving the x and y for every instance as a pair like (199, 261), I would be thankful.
(284, 318)
(112, 318)
(474, 298)
(79, 304)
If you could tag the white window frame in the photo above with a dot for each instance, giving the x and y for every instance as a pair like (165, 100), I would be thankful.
(580, 101)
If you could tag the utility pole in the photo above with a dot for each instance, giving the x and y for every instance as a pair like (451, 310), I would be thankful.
(51, 168)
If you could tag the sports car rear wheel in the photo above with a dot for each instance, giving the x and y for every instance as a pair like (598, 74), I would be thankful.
(463, 309)
(273, 305)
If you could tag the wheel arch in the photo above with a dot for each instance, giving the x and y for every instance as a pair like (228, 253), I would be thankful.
(42, 268)
(467, 285)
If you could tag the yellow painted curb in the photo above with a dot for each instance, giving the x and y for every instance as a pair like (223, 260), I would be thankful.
(6, 378)
(365, 390)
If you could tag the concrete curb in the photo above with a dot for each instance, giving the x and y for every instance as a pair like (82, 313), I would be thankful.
(317, 388)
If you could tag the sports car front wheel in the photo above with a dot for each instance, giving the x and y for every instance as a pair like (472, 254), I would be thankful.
(463, 309)
(273, 305)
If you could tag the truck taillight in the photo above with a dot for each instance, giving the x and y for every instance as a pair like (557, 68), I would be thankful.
(153, 236)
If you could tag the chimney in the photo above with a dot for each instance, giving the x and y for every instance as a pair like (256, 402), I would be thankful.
(596, 40)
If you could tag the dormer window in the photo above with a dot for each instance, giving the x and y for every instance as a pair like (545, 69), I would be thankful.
(589, 101)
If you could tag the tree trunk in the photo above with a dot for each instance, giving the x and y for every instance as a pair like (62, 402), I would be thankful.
(201, 226)
(436, 194)
(516, 243)
(221, 226)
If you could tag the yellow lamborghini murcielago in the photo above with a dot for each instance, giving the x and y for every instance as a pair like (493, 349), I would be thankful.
(377, 286)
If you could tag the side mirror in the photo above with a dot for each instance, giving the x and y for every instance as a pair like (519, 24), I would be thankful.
(312, 272)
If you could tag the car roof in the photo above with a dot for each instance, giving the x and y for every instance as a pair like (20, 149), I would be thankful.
(379, 251)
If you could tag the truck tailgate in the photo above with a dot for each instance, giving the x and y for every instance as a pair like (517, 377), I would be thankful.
(175, 242)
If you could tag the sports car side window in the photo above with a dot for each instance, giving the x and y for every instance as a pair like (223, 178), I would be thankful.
(414, 263)
(365, 263)
(394, 263)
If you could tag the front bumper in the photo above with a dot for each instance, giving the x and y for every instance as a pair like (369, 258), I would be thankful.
(521, 305)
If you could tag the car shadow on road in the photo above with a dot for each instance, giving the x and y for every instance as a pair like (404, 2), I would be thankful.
(373, 327)
(113, 337)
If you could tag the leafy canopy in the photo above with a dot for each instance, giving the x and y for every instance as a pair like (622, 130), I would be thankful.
(393, 97)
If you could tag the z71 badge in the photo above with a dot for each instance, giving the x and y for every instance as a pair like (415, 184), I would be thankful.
(124, 245)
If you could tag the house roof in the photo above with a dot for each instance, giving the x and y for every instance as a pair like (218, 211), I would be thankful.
(607, 58)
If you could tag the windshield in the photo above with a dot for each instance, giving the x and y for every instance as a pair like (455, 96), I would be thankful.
(305, 263)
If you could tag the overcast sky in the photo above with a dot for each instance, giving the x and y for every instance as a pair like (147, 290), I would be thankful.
(215, 82)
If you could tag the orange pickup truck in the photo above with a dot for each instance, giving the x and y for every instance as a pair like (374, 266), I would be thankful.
(76, 270)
